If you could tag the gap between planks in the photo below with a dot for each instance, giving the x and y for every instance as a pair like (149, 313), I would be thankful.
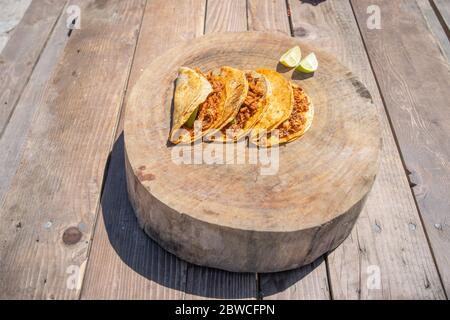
(19, 38)
(13, 137)
(22, 275)
(310, 281)
(442, 10)
(437, 26)
(397, 143)
(417, 163)
(382, 235)
(154, 273)
(116, 129)
(222, 16)
(260, 27)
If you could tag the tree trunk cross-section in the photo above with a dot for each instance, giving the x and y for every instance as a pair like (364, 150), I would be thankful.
(231, 216)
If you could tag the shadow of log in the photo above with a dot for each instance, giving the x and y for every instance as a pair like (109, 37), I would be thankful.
(146, 257)
(278, 282)
(312, 2)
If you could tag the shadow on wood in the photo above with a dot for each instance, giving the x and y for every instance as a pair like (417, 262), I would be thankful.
(312, 2)
(146, 257)
(287, 285)
(132, 245)
(282, 69)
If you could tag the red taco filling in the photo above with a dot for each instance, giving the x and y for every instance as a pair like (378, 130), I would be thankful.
(297, 120)
(251, 104)
(208, 111)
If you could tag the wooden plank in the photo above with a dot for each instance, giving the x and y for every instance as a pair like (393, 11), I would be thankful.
(208, 283)
(442, 8)
(226, 16)
(272, 16)
(388, 234)
(307, 283)
(435, 25)
(268, 15)
(18, 58)
(414, 78)
(10, 16)
(14, 136)
(49, 211)
(124, 262)
(221, 16)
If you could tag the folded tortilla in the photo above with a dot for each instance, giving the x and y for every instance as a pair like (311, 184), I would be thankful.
(280, 103)
(210, 100)
(296, 125)
(191, 89)
(251, 110)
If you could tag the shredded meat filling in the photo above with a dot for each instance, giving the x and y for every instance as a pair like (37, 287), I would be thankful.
(208, 110)
(297, 118)
(250, 105)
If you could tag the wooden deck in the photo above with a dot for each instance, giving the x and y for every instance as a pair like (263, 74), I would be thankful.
(67, 230)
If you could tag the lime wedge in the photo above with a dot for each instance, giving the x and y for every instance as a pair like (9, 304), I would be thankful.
(292, 57)
(190, 122)
(309, 64)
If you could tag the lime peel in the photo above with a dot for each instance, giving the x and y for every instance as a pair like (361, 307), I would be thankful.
(309, 64)
(191, 120)
(292, 57)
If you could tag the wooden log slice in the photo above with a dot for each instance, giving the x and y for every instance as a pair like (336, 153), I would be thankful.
(231, 216)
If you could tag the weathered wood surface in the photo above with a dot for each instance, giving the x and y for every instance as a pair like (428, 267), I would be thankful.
(18, 58)
(414, 78)
(268, 16)
(436, 26)
(286, 285)
(10, 16)
(246, 219)
(389, 211)
(49, 211)
(222, 16)
(389, 233)
(306, 283)
(124, 262)
(160, 274)
(14, 136)
(226, 16)
(442, 8)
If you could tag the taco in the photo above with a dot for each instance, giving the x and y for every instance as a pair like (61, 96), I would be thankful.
(210, 99)
(298, 122)
(251, 110)
(191, 89)
(280, 103)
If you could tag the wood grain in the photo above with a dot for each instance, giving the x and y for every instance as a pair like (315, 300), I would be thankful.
(57, 186)
(18, 58)
(226, 16)
(202, 282)
(388, 233)
(209, 283)
(124, 263)
(122, 254)
(14, 136)
(414, 78)
(267, 15)
(307, 283)
(442, 8)
(237, 217)
(435, 25)
(150, 272)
